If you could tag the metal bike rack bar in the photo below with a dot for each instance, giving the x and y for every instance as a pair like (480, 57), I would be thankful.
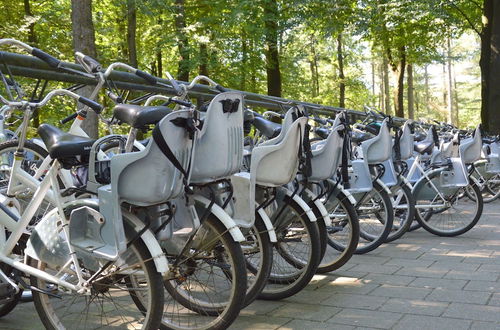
(32, 67)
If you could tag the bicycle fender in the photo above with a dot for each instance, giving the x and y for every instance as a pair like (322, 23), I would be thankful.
(269, 225)
(223, 217)
(150, 241)
(303, 205)
(321, 208)
(387, 190)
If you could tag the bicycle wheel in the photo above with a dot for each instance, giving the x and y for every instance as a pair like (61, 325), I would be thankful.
(342, 235)
(297, 253)
(207, 284)
(9, 299)
(33, 156)
(491, 189)
(403, 205)
(376, 215)
(258, 252)
(451, 214)
(112, 300)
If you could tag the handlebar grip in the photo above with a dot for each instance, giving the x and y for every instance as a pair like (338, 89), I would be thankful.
(69, 118)
(49, 59)
(92, 63)
(146, 76)
(93, 105)
(221, 89)
(184, 103)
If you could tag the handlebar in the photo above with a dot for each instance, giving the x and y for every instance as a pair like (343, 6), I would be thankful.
(168, 100)
(83, 100)
(175, 85)
(49, 59)
(89, 64)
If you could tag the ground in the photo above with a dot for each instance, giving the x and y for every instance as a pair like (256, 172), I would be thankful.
(418, 282)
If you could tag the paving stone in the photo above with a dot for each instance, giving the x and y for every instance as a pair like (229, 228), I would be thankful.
(261, 307)
(365, 318)
(263, 322)
(400, 292)
(414, 306)
(443, 264)
(495, 300)
(466, 275)
(388, 279)
(439, 257)
(309, 296)
(349, 285)
(354, 301)
(409, 262)
(394, 253)
(483, 286)
(433, 283)
(378, 269)
(416, 322)
(311, 325)
(362, 259)
(489, 268)
(422, 272)
(318, 312)
(473, 312)
(473, 297)
(478, 325)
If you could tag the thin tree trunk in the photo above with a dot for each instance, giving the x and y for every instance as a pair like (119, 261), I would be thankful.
(426, 90)
(373, 79)
(387, 92)
(381, 103)
(455, 98)
(445, 85)
(449, 99)
(313, 65)
(33, 42)
(411, 100)
(340, 59)
(271, 17)
(159, 63)
(253, 69)
(203, 68)
(182, 41)
(84, 41)
(131, 33)
(244, 61)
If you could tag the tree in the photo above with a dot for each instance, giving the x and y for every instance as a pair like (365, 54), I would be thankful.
(271, 18)
(182, 40)
(84, 41)
(131, 32)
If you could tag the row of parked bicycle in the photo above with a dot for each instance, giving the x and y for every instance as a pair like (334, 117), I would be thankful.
(221, 206)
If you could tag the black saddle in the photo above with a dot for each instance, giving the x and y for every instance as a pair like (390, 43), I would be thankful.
(419, 136)
(139, 116)
(267, 127)
(322, 132)
(360, 136)
(424, 147)
(64, 145)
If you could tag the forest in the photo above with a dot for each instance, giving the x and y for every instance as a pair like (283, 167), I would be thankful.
(426, 59)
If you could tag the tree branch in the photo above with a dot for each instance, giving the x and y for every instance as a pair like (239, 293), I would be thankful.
(467, 18)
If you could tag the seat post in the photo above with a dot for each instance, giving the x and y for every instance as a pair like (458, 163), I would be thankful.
(131, 139)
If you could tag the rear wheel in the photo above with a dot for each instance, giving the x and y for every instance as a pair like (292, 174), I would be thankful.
(403, 205)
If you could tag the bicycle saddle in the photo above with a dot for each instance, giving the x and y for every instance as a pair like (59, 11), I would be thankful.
(322, 132)
(419, 136)
(268, 128)
(360, 136)
(64, 145)
(139, 116)
(424, 147)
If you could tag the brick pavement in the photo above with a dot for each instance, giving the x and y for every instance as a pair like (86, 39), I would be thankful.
(418, 282)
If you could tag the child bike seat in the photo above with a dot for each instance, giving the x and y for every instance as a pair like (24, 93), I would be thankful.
(378, 149)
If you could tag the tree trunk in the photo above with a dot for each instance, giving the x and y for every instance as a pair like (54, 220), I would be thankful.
(131, 33)
(159, 63)
(253, 69)
(33, 42)
(411, 92)
(340, 59)
(313, 65)
(182, 41)
(84, 41)
(449, 90)
(387, 92)
(493, 109)
(373, 78)
(244, 61)
(399, 72)
(426, 91)
(271, 17)
(484, 62)
(203, 67)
